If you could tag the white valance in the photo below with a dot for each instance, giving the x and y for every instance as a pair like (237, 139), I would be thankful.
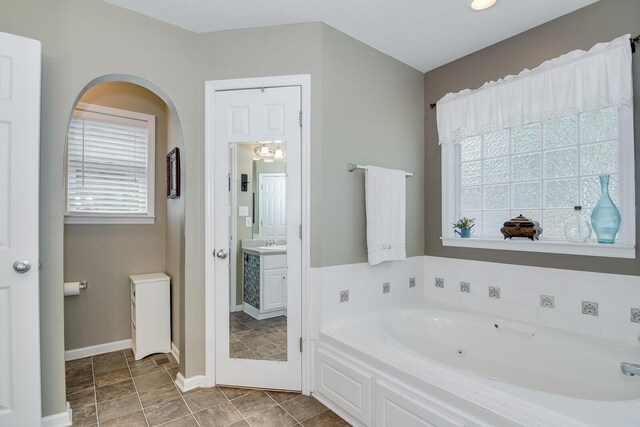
(576, 82)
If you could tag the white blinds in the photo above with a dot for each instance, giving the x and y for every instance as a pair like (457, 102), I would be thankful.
(575, 83)
(107, 166)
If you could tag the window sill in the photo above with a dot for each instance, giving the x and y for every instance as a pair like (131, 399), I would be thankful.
(550, 247)
(72, 219)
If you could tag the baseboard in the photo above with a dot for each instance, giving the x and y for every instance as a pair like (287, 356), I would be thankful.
(255, 313)
(187, 384)
(61, 419)
(94, 350)
(175, 352)
(235, 308)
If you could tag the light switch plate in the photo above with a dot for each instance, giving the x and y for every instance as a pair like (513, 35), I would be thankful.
(243, 210)
(247, 221)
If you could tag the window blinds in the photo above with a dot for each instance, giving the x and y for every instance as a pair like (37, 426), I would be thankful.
(107, 169)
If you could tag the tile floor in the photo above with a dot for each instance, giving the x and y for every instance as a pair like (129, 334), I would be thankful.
(113, 389)
(257, 339)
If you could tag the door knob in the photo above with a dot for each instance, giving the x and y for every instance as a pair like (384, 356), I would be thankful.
(222, 253)
(22, 266)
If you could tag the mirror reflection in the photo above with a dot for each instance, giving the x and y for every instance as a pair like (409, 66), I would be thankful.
(258, 265)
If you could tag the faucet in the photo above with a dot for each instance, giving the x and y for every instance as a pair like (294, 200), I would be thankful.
(630, 369)
(272, 242)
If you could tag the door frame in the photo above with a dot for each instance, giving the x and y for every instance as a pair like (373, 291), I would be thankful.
(211, 87)
(260, 176)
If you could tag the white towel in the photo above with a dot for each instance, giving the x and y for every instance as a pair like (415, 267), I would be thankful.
(386, 210)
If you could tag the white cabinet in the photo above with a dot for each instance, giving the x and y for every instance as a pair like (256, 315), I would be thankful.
(150, 314)
(265, 283)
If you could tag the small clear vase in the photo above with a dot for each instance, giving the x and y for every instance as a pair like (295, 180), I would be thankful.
(605, 218)
(577, 229)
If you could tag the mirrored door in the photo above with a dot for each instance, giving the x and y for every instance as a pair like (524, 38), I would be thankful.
(257, 215)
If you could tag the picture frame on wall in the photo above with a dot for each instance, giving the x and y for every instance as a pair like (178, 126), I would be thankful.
(173, 174)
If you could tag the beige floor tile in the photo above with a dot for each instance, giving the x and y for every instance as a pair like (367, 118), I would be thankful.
(113, 391)
(112, 377)
(154, 380)
(187, 421)
(144, 367)
(163, 393)
(166, 411)
(109, 356)
(303, 407)
(85, 416)
(272, 417)
(78, 362)
(218, 416)
(135, 419)
(233, 392)
(253, 402)
(241, 423)
(109, 365)
(204, 398)
(118, 407)
(82, 398)
(282, 396)
(325, 419)
(173, 372)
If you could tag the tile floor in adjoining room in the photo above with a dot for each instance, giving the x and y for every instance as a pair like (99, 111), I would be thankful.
(250, 338)
(113, 389)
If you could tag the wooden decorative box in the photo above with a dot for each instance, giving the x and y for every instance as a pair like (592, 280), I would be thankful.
(521, 227)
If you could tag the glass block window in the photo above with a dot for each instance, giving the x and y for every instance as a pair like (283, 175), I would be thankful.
(540, 170)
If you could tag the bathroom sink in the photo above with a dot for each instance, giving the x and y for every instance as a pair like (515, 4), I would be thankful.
(273, 248)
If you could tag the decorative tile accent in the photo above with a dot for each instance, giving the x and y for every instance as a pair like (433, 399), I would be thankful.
(547, 301)
(344, 296)
(252, 280)
(439, 282)
(635, 315)
(494, 292)
(412, 282)
(465, 287)
(386, 287)
(590, 308)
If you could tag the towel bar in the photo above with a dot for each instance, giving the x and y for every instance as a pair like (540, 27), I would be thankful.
(352, 166)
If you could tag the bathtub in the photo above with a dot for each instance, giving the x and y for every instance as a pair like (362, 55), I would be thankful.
(468, 368)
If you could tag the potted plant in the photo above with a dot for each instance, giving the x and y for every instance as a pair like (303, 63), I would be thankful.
(463, 227)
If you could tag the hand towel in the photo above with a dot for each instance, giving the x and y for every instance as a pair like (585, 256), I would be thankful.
(385, 196)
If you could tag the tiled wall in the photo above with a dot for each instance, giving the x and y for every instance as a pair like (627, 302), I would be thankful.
(595, 304)
(366, 287)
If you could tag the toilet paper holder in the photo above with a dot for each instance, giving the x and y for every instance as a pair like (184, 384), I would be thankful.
(84, 284)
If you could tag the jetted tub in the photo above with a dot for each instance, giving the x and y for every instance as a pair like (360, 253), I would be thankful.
(527, 374)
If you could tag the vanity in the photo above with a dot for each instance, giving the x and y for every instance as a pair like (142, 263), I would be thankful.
(265, 281)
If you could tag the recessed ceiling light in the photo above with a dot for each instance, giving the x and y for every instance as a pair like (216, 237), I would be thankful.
(482, 4)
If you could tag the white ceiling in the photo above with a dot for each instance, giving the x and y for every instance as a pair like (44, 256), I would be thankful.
(421, 33)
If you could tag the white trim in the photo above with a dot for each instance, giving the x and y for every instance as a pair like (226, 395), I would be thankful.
(61, 419)
(233, 219)
(175, 352)
(191, 383)
(94, 350)
(551, 247)
(234, 308)
(304, 81)
(336, 409)
(255, 313)
(91, 219)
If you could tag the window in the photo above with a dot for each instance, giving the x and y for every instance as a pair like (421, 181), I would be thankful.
(110, 166)
(506, 164)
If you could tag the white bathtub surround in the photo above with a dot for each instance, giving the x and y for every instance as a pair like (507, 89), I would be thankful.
(543, 296)
(450, 366)
(386, 214)
(363, 284)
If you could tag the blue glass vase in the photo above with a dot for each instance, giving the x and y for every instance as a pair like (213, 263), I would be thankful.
(605, 218)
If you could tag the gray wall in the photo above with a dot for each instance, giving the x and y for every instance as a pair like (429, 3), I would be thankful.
(600, 22)
(82, 40)
(106, 255)
(372, 113)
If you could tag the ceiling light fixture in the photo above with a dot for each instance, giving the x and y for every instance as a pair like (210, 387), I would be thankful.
(482, 4)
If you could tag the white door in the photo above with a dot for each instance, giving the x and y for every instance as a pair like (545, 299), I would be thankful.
(273, 204)
(244, 116)
(19, 181)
